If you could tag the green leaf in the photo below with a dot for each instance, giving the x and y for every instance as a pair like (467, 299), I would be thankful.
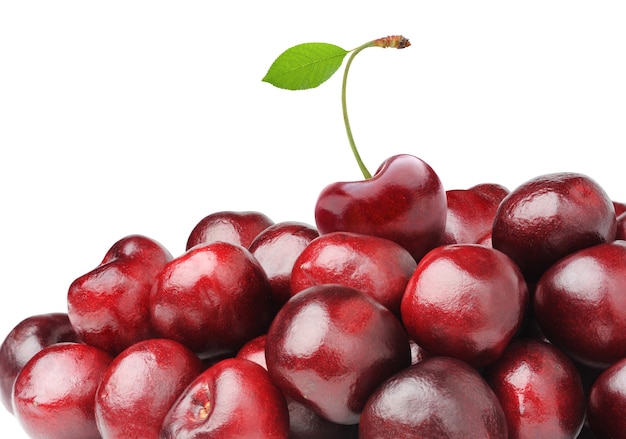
(305, 66)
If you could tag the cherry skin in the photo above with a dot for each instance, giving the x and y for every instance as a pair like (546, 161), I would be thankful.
(330, 346)
(53, 395)
(26, 339)
(465, 301)
(140, 386)
(235, 398)
(539, 389)
(404, 202)
(619, 207)
(471, 213)
(229, 226)
(304, 423)
(621, 227)
(376, 266)
(213, 299)
(440, 397)
(277, 248)
(587, 286)
(606, 403)
(108, 306)
(551, 216)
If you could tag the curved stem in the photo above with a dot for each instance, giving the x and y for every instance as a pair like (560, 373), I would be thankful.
(344, 108)
(395, 41)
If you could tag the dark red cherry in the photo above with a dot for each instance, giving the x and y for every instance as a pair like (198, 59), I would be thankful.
(404, 202)
(551, 216)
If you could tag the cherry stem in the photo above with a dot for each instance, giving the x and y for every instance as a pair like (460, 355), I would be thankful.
(395, 41)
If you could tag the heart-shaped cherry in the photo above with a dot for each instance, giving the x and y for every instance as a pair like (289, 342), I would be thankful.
(108, 306)
(404, 202)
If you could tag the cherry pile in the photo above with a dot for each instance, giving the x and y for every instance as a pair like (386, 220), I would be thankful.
(407, 310)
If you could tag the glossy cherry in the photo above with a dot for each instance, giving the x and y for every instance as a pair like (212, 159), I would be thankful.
(539, 389)
(53, 395)
(235, 398)
(404, 201)
(213, 298)
(551, 216)
(108, 306)
(236, 227)
(140, 386)
(277, 248)
(304, 423)
(621, 227)
(330, 346)
(376, 266)
(579, 304)
(471, 212)
(606, 403)
(465, 301)
(440, 397)
(26, 339)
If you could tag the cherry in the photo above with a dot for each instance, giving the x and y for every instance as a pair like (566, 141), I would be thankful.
(376, 266)
(330, 346)
(586, 287)
(621, 227)
(277, 248)
(235, 398)
(304, 423)
(404, 202)
(108, 306)
(213, 298)
(229, 226)
(551, 216)
(607, 402)
(26, 339)
(140, 385)
(436, 398)
(471, 212)
(53, 395)
(465, 301)
(539, 389)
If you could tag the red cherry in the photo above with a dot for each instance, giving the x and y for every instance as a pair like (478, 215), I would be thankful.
(539, 389)
(621, 227)
(235, 398)
(471, 213)
(277, 248)
(551, 216)
(440, 397)
(140, 386)
(606, 403)
(304, 423)
(26, 339)
(579, 304)
(53, 395)
(235, 227)
(108, 306)
(465, 301)
(376, 266)
(330, 346)
(404, 202)
(213, 299)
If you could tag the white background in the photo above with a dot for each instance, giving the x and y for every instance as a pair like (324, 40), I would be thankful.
(124, 117)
